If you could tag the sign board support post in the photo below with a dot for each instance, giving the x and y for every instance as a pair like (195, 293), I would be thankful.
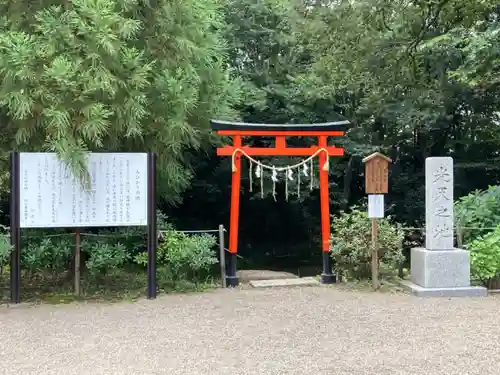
(375, 212)
(152, 232)
(375, 247)
(376, 185)
(15, 230)
(77, 260)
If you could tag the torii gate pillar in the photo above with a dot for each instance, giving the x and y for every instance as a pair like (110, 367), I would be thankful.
(239, 130)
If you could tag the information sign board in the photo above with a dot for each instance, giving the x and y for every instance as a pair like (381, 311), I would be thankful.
(50, 196)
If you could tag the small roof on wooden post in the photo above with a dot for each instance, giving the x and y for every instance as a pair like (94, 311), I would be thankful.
(377, 155)
(376, 173)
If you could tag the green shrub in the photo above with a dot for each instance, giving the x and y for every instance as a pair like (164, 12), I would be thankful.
(105, 257)
(479, 209)
(185, 257)
(112, 256)
(5, 248)
(133, 238)
(351, 245)
(485, 256)
(47, 254)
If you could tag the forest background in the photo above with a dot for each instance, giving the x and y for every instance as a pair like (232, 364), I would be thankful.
(415, 78)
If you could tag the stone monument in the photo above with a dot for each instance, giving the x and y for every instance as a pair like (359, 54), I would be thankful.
(440, 269)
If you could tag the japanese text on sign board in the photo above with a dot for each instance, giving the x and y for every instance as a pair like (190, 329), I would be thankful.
(47, 186)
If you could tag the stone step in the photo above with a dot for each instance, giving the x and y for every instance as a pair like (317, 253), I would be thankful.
(246, 276)
(304, 281)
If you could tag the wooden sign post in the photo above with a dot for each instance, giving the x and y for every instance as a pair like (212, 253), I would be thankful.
(376, 185)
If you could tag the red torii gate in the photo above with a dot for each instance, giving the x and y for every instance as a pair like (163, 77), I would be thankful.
(237, 131)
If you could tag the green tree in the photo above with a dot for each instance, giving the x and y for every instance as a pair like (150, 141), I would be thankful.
(114, 75)
(387, 64)
(379, 64)
(416, 79)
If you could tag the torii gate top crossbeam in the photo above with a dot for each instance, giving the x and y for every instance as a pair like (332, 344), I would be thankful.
(280, 131)
(251, 129)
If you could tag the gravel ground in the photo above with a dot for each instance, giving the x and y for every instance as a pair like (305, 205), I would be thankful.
(302, 331)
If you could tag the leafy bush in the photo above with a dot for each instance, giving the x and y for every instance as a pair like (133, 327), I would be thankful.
(479, 209)
(50, 253)
(185, 256)
(113, 259)
(105, 257)
(351, 245)
(485, 256)
(133, 238)
(5, 249)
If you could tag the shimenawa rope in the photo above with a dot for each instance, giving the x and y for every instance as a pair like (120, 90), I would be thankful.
(274, 176)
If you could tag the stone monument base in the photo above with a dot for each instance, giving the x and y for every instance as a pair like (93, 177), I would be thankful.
(443, 273)
(468, 291)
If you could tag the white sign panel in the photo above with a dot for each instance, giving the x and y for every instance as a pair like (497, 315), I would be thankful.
(50, 196)
(439, 203)
(376, 206)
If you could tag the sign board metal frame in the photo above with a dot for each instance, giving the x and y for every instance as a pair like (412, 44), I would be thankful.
(15, 221)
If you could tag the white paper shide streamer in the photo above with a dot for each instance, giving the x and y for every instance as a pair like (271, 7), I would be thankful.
(302, 169)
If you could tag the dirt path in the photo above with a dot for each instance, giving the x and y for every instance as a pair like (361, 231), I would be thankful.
(315, 330)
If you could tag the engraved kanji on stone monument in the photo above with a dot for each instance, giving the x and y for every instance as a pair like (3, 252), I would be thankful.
(439, 203)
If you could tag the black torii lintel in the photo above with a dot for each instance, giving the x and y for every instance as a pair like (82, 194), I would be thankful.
(325, 126)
